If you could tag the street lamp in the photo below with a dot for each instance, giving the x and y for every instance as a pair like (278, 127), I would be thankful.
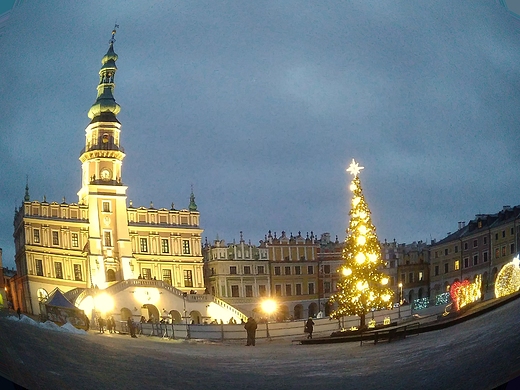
(268, 307)
(400, 297)
(184, 295)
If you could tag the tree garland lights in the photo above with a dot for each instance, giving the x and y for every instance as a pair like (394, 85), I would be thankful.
(508, 279)
(463, 293)
(361, 287)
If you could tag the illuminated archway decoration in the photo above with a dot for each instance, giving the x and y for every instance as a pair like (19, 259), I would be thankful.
(463, 293)
(508, 279)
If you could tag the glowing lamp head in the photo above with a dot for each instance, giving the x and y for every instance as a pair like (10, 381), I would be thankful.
(361, 240)
(347, 272)
(384, 281)
(385, 297)
(268, 306)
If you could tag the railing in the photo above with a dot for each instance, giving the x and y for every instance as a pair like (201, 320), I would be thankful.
(102, 146)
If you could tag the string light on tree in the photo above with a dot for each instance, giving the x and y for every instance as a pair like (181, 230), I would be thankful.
(362, 287)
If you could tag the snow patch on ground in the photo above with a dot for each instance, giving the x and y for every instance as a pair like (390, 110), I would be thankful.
(49, 325)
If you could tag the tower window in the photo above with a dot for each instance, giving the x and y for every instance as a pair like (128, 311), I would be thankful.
(106, 206)
(107, 238)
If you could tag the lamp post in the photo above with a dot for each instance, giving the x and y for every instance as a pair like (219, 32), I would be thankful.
(184, 295)
(400, 298)
(268, 307)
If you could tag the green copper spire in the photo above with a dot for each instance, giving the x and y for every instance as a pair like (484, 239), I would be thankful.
(193, 205)
(105, 107)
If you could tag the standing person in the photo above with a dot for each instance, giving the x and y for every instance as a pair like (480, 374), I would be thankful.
(101, 323)
(131, 328)
(109, 325)
(250, 327)
(309, 327)
(19, 312)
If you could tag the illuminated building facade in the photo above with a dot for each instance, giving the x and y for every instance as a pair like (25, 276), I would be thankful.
(102, 244)
(237, 273)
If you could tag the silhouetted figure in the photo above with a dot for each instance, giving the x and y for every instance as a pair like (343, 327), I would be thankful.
(131, 328)
(309, 327)
(19, 312)
(250, 328)
(101, 324)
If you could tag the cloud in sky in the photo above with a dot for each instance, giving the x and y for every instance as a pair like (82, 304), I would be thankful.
(261, 107)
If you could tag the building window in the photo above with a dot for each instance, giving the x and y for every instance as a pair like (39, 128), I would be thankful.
(497, 253)
(277, 271)
(421, 276)
(512, 231)
(310, 270)
(403, 278)
(262, 290)
(436, 270)
(261, 270)
(287, 270)
(78, 275)
(288, 290)
(297, 270)
(58, 270)
(496, 236)
(456, 265)
(410, 277)
(147, 273)
(326, 269)
(233, 270)
(326, 287)
(298, 289)
(106, 206)
(165, 245)
(503, 250)
(446, 268)
(39, 267)
(107, 238)
(485, 254)
(188, 278)
(446, 252)
(475, 243)
(185, 247)
(465, 246)
(484, 240)
(36, 236)
(234, 291)
(311, 288)
(249, 291)
(503, 233)
(75, 240)
(466, 262)
(247, 270)
(55, 238)
(475, 259)
(456, 249)
(512, 248)
(144, 244)
(167, 276)
(278, 290)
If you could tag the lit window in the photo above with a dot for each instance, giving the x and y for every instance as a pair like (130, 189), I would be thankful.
(456, 266)
(165, 246)
(106, 206)
(75, 240)
(185, 247)
(144, 244)
(147, 273)
(107, 238)
(188, 278)
(55, 238)
(58, 270)
(36, 236)
(78, 276)
(167, 276)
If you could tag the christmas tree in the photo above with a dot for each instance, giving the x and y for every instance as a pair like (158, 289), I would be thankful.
(362, 287)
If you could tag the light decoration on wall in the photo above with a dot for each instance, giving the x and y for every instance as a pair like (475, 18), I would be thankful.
(386, 321)
(463, 293)
(421, 303)
(442, 299)
(508, 279)
(362, 286)
(145, 295)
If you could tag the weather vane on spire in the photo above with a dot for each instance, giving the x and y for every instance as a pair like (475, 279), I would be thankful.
(354, 168)
(112, 40)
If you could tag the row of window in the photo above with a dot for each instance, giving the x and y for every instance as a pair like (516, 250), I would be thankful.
(165, 246)
(288, 270)
(411, 277)
(475, 243)
(58, 270)
(262, 290)
(55, 237)
(146, 273)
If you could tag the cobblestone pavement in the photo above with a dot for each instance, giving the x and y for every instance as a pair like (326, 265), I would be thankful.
(478, 354)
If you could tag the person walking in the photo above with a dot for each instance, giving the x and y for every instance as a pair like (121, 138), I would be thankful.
(309, 327)
(250, 327)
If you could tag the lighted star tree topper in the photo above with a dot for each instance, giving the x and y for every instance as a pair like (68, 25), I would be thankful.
(362, 287)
